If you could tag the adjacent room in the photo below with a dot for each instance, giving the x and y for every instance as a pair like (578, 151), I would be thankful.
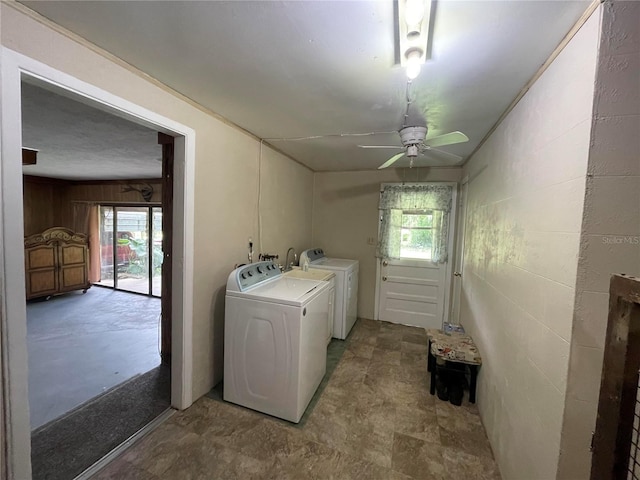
(93, 268)
(375, 239)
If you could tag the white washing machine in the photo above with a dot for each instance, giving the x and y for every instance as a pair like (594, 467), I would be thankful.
(327, 276)
(275, 353)
(346, 304)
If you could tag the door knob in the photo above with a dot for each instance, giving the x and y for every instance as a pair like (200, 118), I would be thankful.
(457, 274)
(385, 263)
(384, 279)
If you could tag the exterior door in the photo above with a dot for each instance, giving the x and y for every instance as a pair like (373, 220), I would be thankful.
(412, 292)
(413, 289)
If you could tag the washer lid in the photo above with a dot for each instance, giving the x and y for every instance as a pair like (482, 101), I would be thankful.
(313, 274)
(335, 263)
(284, 290)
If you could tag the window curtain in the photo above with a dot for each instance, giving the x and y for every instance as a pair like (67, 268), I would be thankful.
(85, 220)
(394, 199)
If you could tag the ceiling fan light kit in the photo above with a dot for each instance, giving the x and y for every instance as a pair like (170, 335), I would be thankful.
(414, 143)
(414, 63)
(413, 28)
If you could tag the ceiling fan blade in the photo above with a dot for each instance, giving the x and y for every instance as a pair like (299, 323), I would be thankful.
(397, 147)
(435, 153)
(391, 161)
(446, 139)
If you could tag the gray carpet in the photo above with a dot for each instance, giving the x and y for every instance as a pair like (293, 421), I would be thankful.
(81, 345)
(67, 446)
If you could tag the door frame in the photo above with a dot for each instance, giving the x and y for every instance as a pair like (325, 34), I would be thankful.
(456, 292)
(12, 275)
(450, 246)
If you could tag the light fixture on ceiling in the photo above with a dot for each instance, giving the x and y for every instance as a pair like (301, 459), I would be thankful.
(413, 17)
(413, 63)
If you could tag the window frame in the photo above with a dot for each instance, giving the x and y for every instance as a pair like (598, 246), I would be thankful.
(424, 212)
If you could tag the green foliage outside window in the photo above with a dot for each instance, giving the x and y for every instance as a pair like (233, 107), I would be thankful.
(416, 235)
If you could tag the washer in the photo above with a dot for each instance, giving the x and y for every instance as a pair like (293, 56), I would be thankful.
(346, 304)
(275, 353)
(327, 276)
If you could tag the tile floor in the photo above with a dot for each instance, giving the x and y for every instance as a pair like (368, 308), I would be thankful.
(374, 420)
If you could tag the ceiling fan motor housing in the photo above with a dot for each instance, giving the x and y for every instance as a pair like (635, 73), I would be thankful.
(413, 135)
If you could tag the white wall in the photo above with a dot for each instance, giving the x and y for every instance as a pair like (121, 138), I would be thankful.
(3, 456)
(610, 240)
(226, 177)
(525, 204)
(345, 215)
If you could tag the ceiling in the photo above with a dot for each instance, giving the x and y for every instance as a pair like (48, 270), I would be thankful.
(76, 141)
(312, 68)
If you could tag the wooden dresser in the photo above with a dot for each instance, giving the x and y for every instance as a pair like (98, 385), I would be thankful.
(56, 261)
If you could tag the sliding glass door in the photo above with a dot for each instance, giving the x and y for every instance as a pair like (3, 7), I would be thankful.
(131, 248)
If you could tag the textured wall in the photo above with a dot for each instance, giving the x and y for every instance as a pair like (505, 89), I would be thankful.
(610, 241)
(345, 215)
(525, 203)
(226, 178)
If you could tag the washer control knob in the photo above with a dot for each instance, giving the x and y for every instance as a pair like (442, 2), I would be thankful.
(243, 275)
(249, 273)
(259, 269)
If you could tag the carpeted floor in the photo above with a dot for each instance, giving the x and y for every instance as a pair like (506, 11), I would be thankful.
(64, 448)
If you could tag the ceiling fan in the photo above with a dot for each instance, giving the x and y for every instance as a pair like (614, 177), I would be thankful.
(414, 144)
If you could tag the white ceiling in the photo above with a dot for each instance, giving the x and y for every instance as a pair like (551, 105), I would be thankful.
(76, 141)
(308, 68)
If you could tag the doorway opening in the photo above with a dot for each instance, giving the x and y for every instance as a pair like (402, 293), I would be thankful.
(97, 371)
(17, 68)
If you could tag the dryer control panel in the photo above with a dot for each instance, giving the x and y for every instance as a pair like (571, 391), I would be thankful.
(312, 255)
(250, 275)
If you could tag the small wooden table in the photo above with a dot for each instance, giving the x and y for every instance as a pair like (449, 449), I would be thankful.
(453, 347)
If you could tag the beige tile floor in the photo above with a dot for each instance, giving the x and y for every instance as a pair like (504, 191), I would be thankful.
(374, 420)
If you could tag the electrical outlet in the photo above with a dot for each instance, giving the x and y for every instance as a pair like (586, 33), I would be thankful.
(371, 240)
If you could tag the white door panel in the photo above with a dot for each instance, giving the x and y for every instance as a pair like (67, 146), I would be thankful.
(412, 293)
(416, 291)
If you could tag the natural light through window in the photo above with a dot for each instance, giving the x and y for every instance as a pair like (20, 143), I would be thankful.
(416, 234)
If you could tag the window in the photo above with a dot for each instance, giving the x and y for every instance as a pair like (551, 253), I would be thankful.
(414, 221)
(131, 248)
(416, 234)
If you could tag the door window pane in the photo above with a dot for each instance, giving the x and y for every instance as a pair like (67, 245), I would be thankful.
(106, 246)
(416, 235)
(133, 248)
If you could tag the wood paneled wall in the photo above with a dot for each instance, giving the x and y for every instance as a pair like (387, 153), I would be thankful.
(38, 206)
(48, 202)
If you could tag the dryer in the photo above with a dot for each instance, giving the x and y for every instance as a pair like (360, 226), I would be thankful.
(346, 302)
(275, 353)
